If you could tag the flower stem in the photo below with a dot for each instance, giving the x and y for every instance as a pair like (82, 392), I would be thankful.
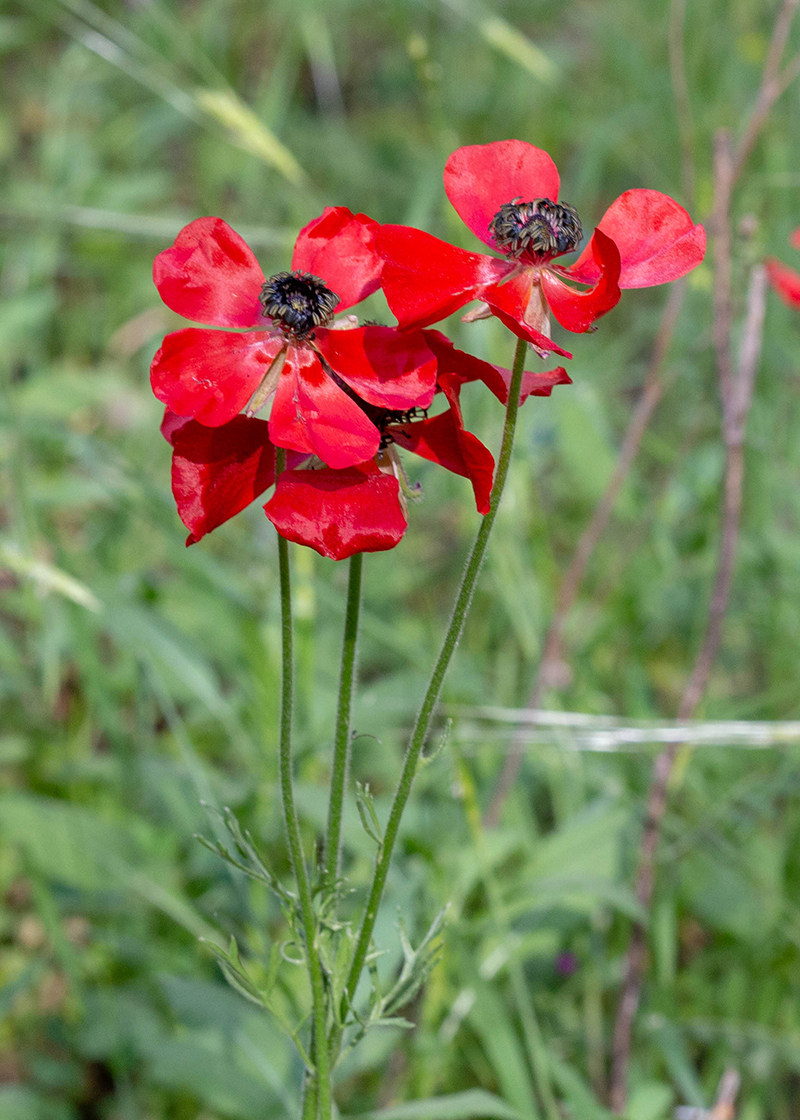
(451, 638)
(323, 1078)
(341, 746)
(310, 1096)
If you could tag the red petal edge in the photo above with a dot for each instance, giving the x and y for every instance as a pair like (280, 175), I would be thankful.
(784, 280)
(656, 238)
(311, 413)
(574, 310)
(216, 472)
(444, 440)
(211, 375)
(338, 246)
(210, 275)
(425, 279)
(386, 367)
(509, 302)
(481, 178)
(338, 513)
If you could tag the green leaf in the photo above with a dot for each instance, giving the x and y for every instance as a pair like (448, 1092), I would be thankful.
(474, 1104)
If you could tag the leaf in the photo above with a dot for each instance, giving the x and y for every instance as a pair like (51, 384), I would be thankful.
(474, 1104)
(490, 1020)
(651, 1101)
(366, 811)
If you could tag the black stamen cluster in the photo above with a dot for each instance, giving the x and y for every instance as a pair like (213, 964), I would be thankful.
(537, 230)
(299, 300)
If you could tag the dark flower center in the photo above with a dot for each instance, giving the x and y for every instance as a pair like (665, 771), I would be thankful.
(299, 300)
(536, 231)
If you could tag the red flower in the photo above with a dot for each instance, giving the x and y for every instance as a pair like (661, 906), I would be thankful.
(507, 193)
(784, 279)
(313, 371)
(216, 472)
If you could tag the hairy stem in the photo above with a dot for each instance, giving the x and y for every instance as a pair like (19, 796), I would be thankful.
(341, 745)
(323, 1079)
(451, 638)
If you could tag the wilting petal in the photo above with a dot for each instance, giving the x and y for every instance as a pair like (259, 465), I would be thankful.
(388, 368)
(211, 375)
(338, 512)
(211, 276)
(481, 178)
(578, 310)
(540, 384)
(444, 440)
(509, 302)
(216, 472)
(458, 366)
(784, 280)
(338, 247)
(311, 413)
(425, 279)
(656, 238)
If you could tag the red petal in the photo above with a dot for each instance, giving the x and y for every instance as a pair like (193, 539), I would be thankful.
(338, 512)
(338, 247)
(425, 279)
(480, 179)
(170, 424)
(387, 367)
(509, 302)
(784, 280)
(456, 366)
(211, 276)
(443, 439)
(311, 413)
(578, 310)
(216, 472)
(656, 238)
(211, 375)
(539, 384)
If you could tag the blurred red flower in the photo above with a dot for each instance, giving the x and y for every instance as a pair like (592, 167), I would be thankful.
(314, 371)
(507, 193)
(785, 280)
(216, 472)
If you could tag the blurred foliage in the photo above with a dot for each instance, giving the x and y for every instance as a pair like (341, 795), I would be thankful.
(138, 680)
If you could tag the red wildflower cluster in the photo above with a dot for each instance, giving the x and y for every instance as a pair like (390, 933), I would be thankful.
(785, 280)
(345, 397)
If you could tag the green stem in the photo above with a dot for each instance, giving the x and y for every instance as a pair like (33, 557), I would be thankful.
(323, 1078)
(310, 1096)
(451, 638)
(341, 746)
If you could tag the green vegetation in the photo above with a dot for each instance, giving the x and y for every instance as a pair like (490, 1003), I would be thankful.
(139, 680)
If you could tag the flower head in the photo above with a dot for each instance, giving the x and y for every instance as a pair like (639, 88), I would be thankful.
(217, 472)
(309, 366)
(507, 193)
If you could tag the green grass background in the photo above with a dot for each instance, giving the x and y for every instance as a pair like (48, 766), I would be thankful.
(139, 679)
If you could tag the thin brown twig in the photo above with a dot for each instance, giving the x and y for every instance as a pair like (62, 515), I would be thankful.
(736, 406)
(736, 391)
(551, 658)
(773, 83)
(680, 89)
(728, 1091)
